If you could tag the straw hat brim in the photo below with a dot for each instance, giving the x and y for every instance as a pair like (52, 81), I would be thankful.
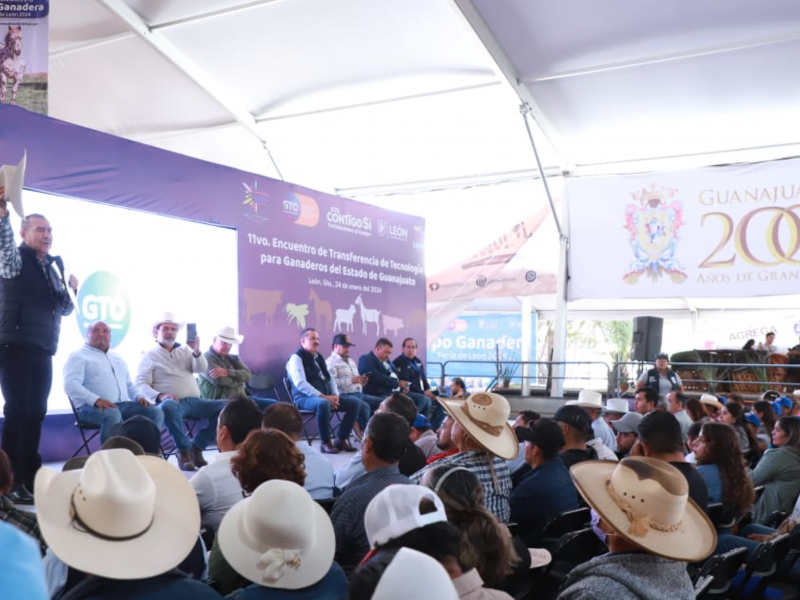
(171, 536)
(236, 339)
(505, 445)
(314, 563)
(694, 541)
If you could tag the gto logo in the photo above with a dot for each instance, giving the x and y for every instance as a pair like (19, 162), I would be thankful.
(103, 298)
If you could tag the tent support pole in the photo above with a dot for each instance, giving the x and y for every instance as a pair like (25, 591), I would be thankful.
(525, 356)
(560, 333)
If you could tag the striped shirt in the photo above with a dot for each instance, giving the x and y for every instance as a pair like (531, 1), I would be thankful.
(343, 372)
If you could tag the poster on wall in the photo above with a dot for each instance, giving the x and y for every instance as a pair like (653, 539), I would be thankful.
(476, 347)
(24, 48)
(707, 233)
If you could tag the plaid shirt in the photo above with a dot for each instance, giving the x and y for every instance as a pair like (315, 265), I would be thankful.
(11, 262)
(24, 521)
(343, 372)
(492, 473)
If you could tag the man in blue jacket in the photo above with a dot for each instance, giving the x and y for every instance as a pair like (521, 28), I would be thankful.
(411, 369)
(384, 378)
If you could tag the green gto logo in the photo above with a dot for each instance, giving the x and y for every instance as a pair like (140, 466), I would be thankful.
(103, 298)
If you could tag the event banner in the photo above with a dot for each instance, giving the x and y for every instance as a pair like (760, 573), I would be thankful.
(475, 347)
(715, 232)
(311, 260)
(24, 53)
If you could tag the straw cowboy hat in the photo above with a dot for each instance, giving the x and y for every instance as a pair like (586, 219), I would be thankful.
(617, 405)
(166, 317)
(646, 501)
(711, 401)
(121, 516)
(278, 537)
(228, 334)
(12, 179)
(588, 399)
(484, 416)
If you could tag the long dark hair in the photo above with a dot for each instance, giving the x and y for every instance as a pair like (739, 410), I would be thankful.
(791, 427)
(695, 409)
(765, 411)
(736, 410)
(722, 449)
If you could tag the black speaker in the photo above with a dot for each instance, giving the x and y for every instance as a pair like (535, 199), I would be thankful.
(646, 338)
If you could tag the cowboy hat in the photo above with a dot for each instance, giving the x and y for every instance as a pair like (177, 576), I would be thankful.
(588, 399)
(166, 317)
(617, 405)
(711, 401)
(228, 334)
(484, 416)
(12, 178)
(108, 518)
(646, 501)
(278, 537)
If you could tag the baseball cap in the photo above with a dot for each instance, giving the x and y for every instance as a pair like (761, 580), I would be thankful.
(574, 416)
(783, 402)
(544, 433)
(752, 418)
(629, 423)
(421, 421)
(396, 510)
(662, 355)
(340, 339)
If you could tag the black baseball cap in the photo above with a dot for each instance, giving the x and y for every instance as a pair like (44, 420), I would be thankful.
(340, 339)
(574, 416)
(544, 433)
(662, 355)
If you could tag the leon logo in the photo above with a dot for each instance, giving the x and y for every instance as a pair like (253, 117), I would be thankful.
(653, 222)
(103, 298)
(256, 202)
(304, 209)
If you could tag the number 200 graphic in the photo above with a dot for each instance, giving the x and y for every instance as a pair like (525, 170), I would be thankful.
(780, 255)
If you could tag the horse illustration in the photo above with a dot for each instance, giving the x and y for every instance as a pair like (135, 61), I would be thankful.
(12, 65)
(322, 309)
(368, 315)
(261, 301)
(392, 324)
(345, 317)
(297, 313)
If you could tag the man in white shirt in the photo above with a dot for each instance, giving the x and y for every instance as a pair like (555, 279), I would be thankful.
(98, 383)
(166, 377)
(344, 371)
(216, 487)
(319, 472)
(676, 404)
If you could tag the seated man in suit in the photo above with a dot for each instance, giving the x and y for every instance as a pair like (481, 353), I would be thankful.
(314, 389)
(384, 379)
(411, 369)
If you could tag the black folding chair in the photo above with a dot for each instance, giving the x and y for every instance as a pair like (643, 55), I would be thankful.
(702, 586)
(83, 428)
(573, 549)
(766, 559)
(566, 522)
(721, 568)
(309, 416)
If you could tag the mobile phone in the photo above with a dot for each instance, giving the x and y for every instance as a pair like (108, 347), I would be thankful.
(191, 332)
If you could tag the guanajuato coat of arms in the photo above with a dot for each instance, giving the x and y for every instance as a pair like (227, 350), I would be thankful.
(653, 221)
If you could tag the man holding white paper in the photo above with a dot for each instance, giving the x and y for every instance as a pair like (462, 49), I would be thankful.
(33, 298)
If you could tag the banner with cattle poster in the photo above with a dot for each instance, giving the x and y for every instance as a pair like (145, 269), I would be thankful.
(24, 49)
(717, 232)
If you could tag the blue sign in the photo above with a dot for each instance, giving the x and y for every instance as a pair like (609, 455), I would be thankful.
(103, 298)
(486, 338)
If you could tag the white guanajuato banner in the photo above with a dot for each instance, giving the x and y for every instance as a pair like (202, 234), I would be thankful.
(706, 233)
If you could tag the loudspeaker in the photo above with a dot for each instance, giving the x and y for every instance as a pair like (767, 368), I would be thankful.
(646, 338)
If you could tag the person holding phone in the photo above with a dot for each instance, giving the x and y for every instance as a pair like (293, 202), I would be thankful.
(344, 371)
(33, 298)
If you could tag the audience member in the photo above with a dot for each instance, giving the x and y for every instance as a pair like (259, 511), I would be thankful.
(518, 467)
(282, 543)
(650, 527)
(112, 443)
(645, 401)
(676, 404)
(696, 410)
(733, 414)
(784, 406)
(485, 442)
(385, 441)
(592, 402)
(423, 435)
(413, 458)
(615, 409)
(23, 520)
(216, 487)
(445, 444)
(315, 390)
(660, 438)
(348, 381)
(319, 473)
(458, 389)
(661, 379)
(411, 369)
(764, 410)
(547, 490)
(142, 431)
(575, 425)
(779, 471)
(627, 432)
(166, 377)
(98, 383)
(387, 577)
(21, 572)
(711, 406)
(131, 557)
(691, 440)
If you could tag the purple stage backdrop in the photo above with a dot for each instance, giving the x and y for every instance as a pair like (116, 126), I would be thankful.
(306, 259)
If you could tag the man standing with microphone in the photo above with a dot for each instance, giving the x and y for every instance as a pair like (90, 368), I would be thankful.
(33, 298)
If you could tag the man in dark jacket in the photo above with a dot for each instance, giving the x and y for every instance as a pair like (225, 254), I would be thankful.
(384, 378)
(411, 369)
(33, 298)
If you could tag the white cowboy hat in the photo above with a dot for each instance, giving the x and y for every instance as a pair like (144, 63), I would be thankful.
(425, 572)
(617, 405)
(12, 178)
(646, 501)
(121, 516)
(484, 416)
(166, 317)
(278, 537)
(228, 334)
(796, 393)
(711, 400)
(589, 399)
